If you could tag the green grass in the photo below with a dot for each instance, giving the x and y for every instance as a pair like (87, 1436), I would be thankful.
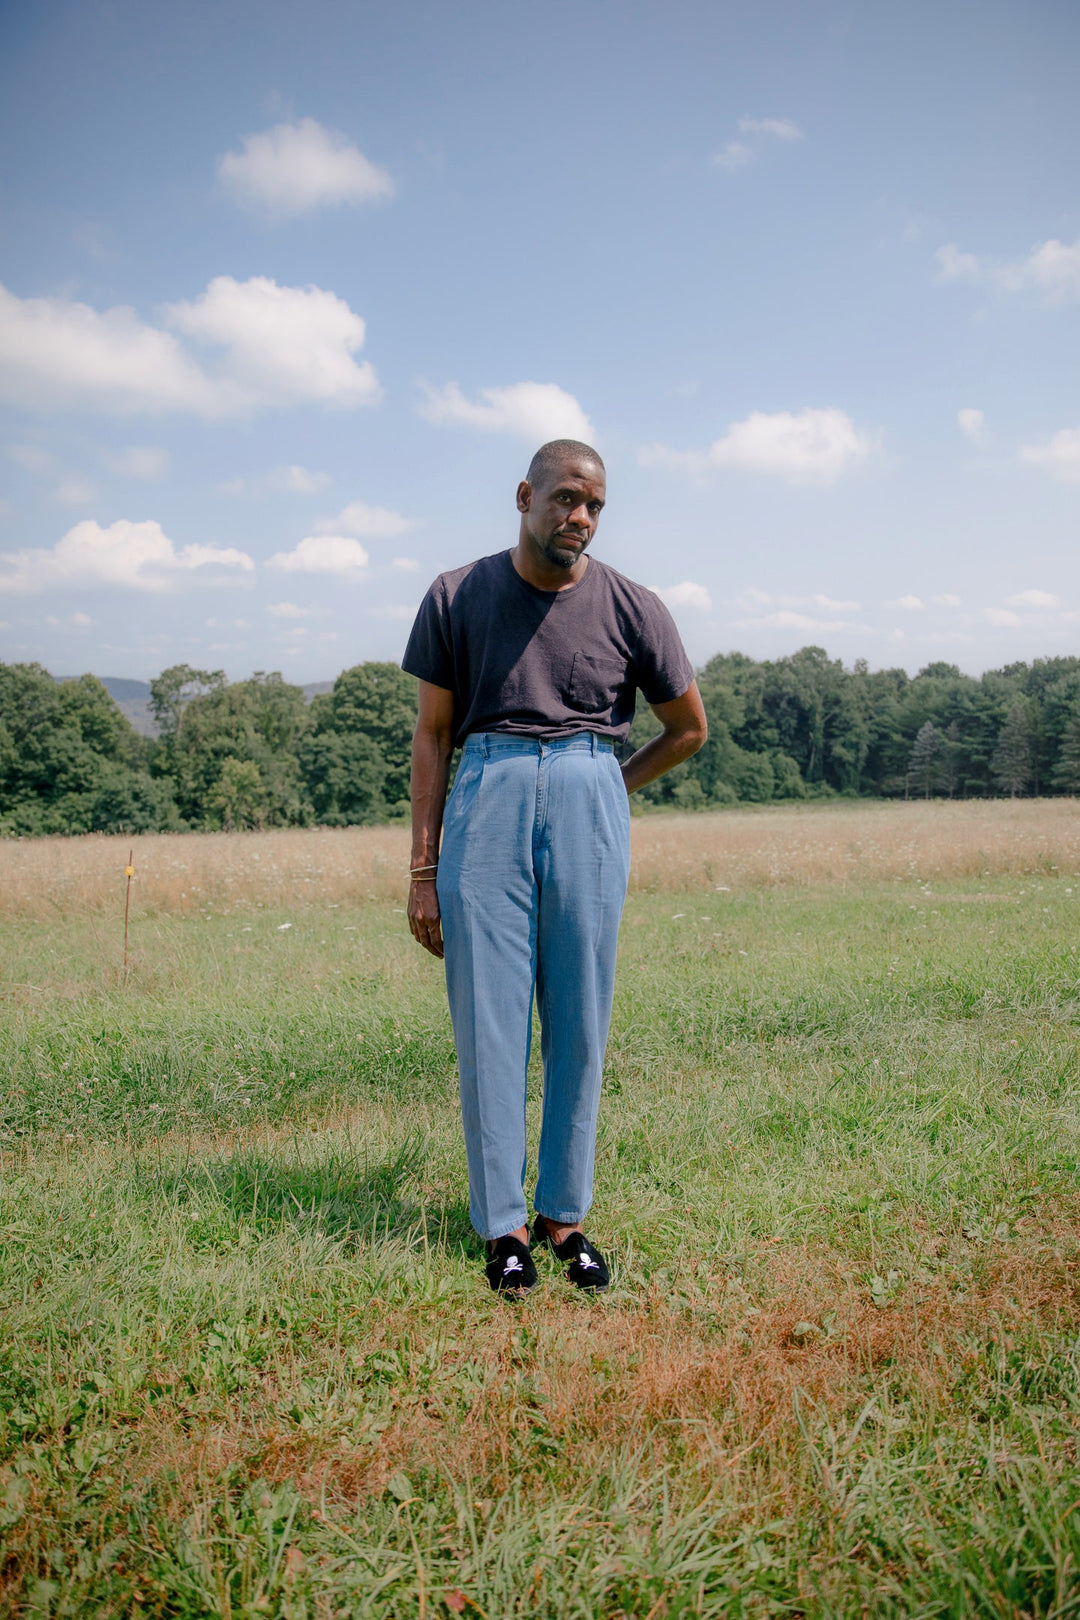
(249, 1364)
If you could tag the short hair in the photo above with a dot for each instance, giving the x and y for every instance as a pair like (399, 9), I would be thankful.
(550, 457)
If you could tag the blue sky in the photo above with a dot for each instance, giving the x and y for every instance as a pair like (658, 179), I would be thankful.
(291, 294)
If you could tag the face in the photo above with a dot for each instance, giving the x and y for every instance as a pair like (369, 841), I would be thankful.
(559, 516)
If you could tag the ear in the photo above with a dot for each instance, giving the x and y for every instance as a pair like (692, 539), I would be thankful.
(524, 495)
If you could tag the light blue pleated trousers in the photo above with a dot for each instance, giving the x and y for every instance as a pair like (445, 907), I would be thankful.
(532, 878)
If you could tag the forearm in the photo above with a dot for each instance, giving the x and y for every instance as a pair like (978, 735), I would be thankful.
(431, 753)
(658, 756)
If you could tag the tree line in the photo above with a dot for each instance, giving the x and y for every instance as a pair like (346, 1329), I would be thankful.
(254, 753)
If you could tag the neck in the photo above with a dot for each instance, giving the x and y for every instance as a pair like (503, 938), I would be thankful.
(546, 576)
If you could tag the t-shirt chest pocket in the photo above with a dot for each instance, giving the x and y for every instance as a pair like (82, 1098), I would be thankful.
(595, 679)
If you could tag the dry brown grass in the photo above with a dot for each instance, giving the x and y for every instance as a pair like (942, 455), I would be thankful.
(699, 1385)
(803, 845)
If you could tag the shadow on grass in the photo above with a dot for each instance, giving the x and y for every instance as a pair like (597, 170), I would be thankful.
(341, 1194)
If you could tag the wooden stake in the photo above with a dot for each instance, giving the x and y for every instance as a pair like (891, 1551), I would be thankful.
(129, 872)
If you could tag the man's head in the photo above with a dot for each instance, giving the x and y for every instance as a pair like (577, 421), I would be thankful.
(560, 501)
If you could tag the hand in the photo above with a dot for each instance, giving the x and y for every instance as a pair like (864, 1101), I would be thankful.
(424, 920)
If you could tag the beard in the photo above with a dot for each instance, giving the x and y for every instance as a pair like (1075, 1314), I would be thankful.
(558, 557)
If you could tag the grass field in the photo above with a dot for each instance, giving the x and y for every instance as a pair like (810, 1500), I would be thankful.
(250, 1366)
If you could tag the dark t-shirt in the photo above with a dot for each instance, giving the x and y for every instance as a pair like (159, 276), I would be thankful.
(545, 663)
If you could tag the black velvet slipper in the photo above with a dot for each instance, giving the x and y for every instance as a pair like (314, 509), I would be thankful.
(510, 1268)
(587, 1268)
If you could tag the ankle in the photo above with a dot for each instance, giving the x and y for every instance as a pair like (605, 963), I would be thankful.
(522, 1235)
(558, 1231)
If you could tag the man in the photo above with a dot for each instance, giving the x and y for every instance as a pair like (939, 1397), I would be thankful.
(529, 660)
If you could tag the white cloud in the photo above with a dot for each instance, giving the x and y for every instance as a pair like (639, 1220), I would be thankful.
(292, 168)
(911, 604)
(31, 457)
(55, 352)
(288, 610)
(74, 492)
(1051, 268)
(298, 480)
(945, 600)
(788, 619)
(408, 565)
(785, 129)
(688, 594)
(282, 346)
(736, 154)
(529, 410)
(1034, 599)
(81, 619)
(137, 556)
(1060, 457)
(752, 598)
(141, 461)
(366, 522)
(956, 266)
(323, 554)
(1001, 616)
(972, 424)
(811, 446)
(404, 611)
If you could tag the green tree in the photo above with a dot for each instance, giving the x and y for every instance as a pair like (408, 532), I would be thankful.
(175, 688)
(355, 760)
(69, 760)
(922, 766)
(262, 721)
(1012, 756)
(238, 796)
(376, 701)
(950, 759)
(345, 776)
(1067, 770)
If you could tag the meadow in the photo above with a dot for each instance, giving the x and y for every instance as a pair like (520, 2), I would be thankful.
(249, 1364)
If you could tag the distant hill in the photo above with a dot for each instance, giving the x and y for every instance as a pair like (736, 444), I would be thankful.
(132, 698)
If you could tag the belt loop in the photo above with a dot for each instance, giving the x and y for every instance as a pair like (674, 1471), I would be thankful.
(595, 740)
(486, 739)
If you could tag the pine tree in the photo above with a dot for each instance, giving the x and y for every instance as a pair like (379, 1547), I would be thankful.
(922, 766)
(1067, 769)
(952, 750)
(1011, 763)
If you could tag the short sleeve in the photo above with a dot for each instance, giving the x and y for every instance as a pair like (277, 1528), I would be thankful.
(429, 654)
(662, 670)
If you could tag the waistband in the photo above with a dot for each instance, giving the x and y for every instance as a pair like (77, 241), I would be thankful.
(505, 742)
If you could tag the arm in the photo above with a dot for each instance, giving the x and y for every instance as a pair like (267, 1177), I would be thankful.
(433, 744)
(685, 730)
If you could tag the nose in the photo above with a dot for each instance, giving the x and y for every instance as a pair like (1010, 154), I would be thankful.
(579, 518)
